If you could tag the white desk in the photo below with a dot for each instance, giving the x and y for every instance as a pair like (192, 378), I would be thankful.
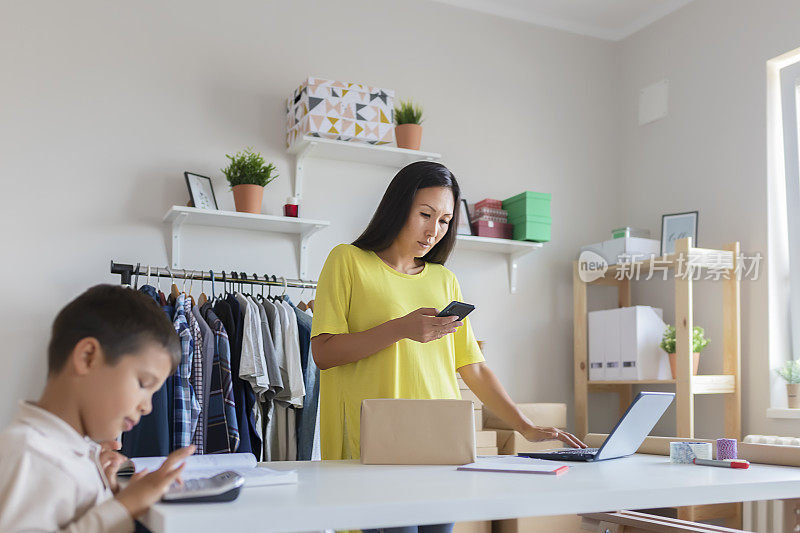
(348, 495)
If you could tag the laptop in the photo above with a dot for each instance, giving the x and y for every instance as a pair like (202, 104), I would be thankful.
(626, 437)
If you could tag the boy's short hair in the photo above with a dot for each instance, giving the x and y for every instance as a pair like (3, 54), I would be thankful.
(123, 321)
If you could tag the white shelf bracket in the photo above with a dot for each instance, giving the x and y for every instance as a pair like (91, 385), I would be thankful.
(298, 169)
(175, 243)
(512, 270)
(302, 253)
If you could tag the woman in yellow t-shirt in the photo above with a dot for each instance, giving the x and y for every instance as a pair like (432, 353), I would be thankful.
(375, 333)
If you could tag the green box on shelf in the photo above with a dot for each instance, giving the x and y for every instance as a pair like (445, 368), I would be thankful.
(528, 204)
(531, 228)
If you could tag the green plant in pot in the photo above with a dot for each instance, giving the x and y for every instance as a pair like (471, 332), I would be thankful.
(699, 342)
(790, 371)
(247, 175)
(408, 128)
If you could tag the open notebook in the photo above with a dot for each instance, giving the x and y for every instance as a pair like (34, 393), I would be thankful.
(202, 466)
(514, 464)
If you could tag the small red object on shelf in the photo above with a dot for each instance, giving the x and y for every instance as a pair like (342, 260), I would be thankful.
(488, 228)
(291, 208)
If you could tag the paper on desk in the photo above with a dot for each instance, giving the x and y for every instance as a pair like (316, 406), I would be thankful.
(514, 464)
(202, 466)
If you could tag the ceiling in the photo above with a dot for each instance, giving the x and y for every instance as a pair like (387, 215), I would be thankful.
(612, 20)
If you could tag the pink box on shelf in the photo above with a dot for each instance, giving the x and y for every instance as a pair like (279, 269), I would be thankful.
(488, 228)
(489, 202)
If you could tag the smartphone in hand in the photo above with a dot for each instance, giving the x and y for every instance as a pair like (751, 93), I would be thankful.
(459, 309)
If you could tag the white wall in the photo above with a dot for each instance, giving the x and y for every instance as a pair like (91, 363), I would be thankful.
(709, 154)
(105, 104)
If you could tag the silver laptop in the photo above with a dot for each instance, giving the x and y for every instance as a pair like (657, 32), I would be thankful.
(626, 437)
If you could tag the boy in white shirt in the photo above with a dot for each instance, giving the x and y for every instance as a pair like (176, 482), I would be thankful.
(110, 350)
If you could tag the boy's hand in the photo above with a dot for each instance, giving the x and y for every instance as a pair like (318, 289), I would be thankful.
(145, 488)
(110, 461)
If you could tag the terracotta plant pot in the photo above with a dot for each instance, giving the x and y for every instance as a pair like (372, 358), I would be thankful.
(248, 198)
(793, 395)
(408, 136)
(674, 368)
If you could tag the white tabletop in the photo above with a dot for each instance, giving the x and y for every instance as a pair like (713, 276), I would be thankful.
(348, 495)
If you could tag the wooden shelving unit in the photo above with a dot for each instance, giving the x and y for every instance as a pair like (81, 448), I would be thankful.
(685, 260)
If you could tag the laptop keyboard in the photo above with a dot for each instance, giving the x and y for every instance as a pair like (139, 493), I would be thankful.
(578, 451)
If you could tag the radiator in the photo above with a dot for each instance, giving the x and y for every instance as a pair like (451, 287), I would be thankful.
(772, 516)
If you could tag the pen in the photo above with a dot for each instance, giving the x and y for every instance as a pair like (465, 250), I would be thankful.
(726, 463)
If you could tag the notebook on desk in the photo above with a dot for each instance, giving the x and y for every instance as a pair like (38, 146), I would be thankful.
(516, 465)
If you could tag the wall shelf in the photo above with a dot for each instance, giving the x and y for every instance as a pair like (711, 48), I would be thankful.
(513, 250)
(319, 147)
(178, 216)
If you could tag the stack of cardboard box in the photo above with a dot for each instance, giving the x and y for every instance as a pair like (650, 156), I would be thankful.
(485, 441)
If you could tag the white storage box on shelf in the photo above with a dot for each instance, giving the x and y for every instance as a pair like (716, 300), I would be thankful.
(625, 249)
(624, 344)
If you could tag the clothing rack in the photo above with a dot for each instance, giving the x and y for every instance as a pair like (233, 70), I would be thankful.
(127, 272)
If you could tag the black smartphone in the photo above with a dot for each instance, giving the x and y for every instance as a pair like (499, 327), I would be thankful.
(459, 309)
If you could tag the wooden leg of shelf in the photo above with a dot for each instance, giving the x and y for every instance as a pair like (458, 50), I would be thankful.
(731, 347)
(581, 356)
(684, 399)
(624, 293)
(625, 398)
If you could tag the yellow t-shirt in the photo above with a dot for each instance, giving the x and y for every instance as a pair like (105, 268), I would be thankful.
(357, 291)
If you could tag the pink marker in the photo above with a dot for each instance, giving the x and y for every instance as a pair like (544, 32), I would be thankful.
(724, 463)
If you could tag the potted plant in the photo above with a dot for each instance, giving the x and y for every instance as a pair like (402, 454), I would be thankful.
(790, 371)
(247, 175)
(699, 342)
(408, 129)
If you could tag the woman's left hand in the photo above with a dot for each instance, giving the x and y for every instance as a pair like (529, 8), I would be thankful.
(540, 433)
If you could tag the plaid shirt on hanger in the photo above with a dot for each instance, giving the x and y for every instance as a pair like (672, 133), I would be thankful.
(223, 429)
(185, 402)
(196, 380)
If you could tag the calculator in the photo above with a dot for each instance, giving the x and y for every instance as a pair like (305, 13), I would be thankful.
(224, 487)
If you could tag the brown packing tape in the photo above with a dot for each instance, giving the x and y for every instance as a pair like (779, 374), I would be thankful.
(651, 445)
(417, 432)
(485, 438)
(473, 527)
(539, 524)
(541, 414)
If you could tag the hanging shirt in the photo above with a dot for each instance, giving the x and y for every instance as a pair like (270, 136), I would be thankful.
(358, 291)
(291, 348)
(306, 417)
(206, 366)
(51, 478)
(223, 430)
(316, 450)
(186, 408)
(196, 379)
(252, 367)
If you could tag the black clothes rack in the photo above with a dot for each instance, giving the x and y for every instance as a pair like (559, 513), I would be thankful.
(128, 272)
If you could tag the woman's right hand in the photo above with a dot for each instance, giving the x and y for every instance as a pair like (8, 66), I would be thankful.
(423, 325)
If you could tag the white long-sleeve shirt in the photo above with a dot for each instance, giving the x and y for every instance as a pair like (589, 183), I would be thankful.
(51, 479)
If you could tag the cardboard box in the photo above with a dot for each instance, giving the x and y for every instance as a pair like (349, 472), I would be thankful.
(541, 414)
(487, 450)
(417, 432)
(510, 442)
(473, 527)
(485, 438)
(340, 110)
(539, 524)
(478, 415)
(471, 396)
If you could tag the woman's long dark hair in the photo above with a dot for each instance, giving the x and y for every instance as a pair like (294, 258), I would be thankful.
(395, 207)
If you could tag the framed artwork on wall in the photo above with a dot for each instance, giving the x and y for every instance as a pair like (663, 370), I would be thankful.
(678, 226)
(201, 190)
(464, 227)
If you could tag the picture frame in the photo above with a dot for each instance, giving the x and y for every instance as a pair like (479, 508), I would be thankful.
(464, 225)
(201, 191)
(676, 226)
